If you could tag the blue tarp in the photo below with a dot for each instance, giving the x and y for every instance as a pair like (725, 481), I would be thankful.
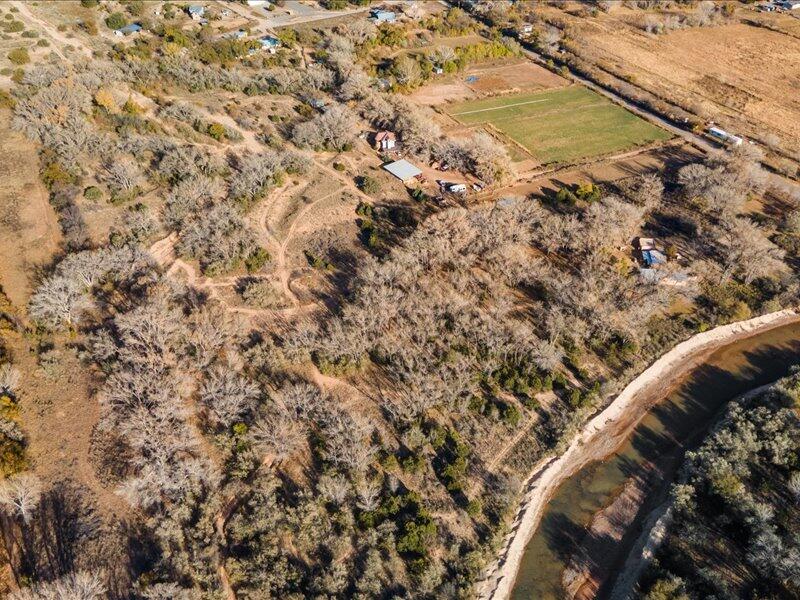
(653, 257)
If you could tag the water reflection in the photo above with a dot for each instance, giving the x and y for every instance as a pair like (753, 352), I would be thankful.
(651, 455)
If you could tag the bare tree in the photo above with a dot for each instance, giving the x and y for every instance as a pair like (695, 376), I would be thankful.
(122, 174)
(336, 128)
(407, 72)
(747, 252)
(59, 301)
(228, 396)
(82, 585)
(10, 378)
(20, 495)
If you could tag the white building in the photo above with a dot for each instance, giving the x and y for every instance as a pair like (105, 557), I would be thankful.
(724, 136)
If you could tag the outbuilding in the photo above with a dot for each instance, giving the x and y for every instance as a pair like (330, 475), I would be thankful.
(403, 170)
(269, 43)
(724, 136)
(383, 16)
(128, 30)
(196, 11)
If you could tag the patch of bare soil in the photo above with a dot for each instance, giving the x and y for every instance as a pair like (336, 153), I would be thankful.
(29, 232)
(59, 414)
(738, 70)
(491, 79)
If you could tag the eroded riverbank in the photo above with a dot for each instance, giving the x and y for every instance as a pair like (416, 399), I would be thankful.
(572, 508)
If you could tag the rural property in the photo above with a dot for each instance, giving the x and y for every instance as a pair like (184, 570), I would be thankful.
(561, 125)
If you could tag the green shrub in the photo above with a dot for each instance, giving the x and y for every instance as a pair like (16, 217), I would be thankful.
(54, 173)
(511, 415)
(368, 185)
(93, 193)
(474, 508)
(217, 131)
(588, 192)
(116, 21)
(14, 26)
(6, 100)
(42, 43)
(19, 56)
(256, 260)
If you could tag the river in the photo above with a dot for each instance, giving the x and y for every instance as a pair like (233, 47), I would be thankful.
(593, 519)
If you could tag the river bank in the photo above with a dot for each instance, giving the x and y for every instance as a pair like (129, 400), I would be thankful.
(605, 432)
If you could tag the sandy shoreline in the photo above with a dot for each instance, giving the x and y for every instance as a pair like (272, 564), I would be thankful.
(603, 434)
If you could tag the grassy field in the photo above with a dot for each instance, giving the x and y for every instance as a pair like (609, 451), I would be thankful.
(561, 125)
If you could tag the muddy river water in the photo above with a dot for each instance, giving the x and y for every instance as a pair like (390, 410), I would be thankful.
(594, 518)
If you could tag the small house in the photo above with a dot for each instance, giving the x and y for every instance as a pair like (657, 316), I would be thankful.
(385, 140)
(196, 11)
(383, 16)
(438, 70)
(403, 170)
(269, 43)
(128, 30)
(256, 3)
(526, 28)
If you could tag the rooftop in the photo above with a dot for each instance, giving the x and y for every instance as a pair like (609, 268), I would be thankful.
(403, 170)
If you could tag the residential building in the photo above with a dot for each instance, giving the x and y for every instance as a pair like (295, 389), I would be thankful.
(385, 140)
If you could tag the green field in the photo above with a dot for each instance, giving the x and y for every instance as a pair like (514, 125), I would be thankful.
(561, 125)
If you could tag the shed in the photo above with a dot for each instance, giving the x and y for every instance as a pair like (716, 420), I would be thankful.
(403, 170)
(653, 257)
(385, 140)
(196, 11)
(383, 16)
(269, 43)
(128, 29)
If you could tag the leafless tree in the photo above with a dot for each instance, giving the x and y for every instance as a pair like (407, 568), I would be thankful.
(334, 488)
(356, 85)
(10, 378)
(255, 175)
(278, 434)
(122, 174)
(407, 72)
(58, 302)
(20, 495)
(228, 396)
(218, 239)
(188, 198)
(335, 129)
(747, 252)
(82, 585)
